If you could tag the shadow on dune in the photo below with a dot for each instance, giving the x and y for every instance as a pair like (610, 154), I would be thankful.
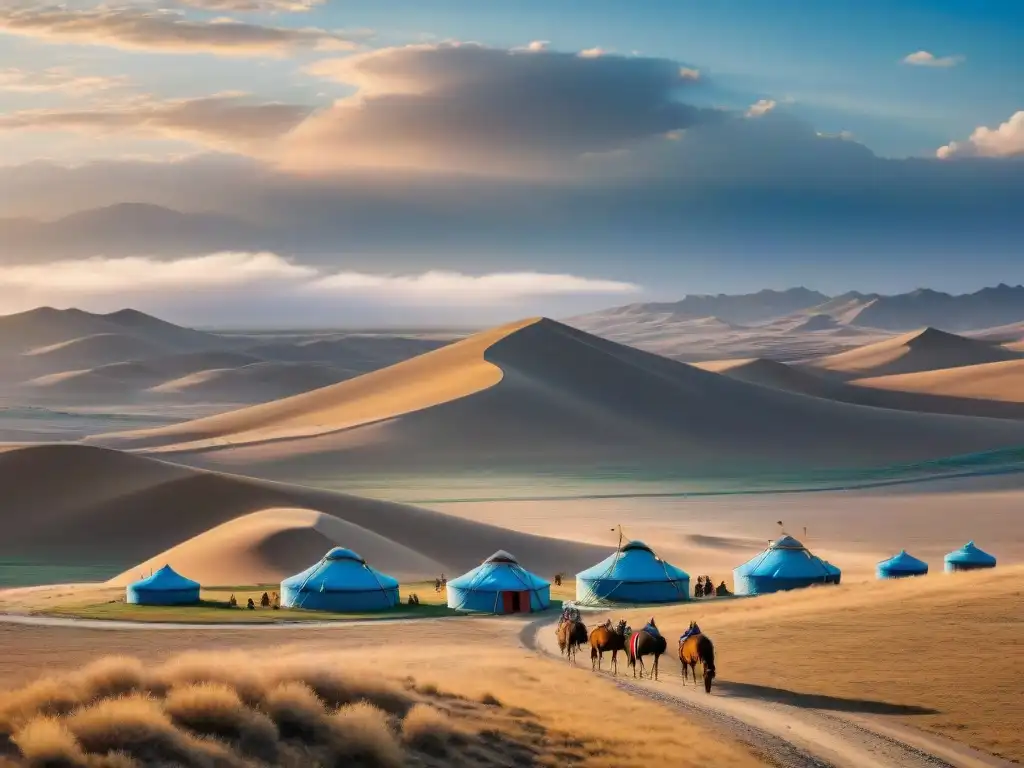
(818, 701)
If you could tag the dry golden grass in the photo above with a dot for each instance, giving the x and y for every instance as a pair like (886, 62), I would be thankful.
(944, 652)
(488, 708)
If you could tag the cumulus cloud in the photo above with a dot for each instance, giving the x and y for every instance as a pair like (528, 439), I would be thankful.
(689, 73)
(57, 80)
(1005, 141)
(230, 121)
(761, 107)
(467, 107)
(593, 53)
(927, 59)
(164, 31)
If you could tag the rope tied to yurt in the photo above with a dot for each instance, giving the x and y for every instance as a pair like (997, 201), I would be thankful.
(380, 586)
(302, 587)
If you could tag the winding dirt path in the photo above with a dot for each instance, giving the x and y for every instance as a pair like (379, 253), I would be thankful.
(783, 734)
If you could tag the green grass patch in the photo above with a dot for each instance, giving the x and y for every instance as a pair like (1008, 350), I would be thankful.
(215, 608)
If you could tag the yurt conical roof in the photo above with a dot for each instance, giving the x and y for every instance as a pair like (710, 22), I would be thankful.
(785, 564)
(165, 578)
(903, 562)
(970, 554)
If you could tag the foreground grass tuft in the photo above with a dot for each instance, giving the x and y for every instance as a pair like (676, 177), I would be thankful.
(221, 710)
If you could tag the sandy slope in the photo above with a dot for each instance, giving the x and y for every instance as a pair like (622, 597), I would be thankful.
(90, 505)
(255, 382)
(771, 373)
(990, 389)
(98, 349)
(264, 547)
(1003, 381)
(437, 377)
(912, 352)
(543, 396)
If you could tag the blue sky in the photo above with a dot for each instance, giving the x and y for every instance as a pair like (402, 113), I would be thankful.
(671, 186)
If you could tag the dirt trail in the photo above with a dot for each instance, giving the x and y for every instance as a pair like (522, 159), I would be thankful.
(784, 734)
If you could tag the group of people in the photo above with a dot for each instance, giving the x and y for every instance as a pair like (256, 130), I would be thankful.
(266, 601)
(706, 588)
(441, 583)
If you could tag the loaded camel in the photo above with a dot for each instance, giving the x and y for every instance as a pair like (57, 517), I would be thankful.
(647, 642)
(693, 647)
(604, 638)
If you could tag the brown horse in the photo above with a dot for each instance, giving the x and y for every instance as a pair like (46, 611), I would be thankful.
(641, 644)
(698, 648)
(571, 635)
(604, 638)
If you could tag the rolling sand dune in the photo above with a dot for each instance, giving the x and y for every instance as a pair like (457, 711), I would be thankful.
(771, 373)
(993, 390)
(363, 352)
(91, 351)
(115, 381)
(72, 503)
(913, 352)
(542, 395)
(1002, 382)
(253, 383)
(264, 547)
(46, 326)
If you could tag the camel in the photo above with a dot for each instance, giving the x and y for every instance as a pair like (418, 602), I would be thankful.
(571, 635)
(604, 638)
(694, 648)
(644, 643)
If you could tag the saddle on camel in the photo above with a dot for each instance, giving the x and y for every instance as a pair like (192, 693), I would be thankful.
(605, 638)
(647, 642)
(695, 646)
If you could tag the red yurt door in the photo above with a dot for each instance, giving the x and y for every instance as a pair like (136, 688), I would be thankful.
(524, 601)
(510, 602)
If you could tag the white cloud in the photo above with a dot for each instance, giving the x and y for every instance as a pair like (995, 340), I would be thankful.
(239, 274)
(538, 45)
(469, 289)
(927, 59)
(1005, 141)
(593, 53)
(761, 107)
(140, 274)
(689, 73)
(57, 80)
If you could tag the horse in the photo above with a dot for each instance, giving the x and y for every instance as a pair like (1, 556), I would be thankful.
(641, 644)
(698, 648)
(604, 638)
(571, 635)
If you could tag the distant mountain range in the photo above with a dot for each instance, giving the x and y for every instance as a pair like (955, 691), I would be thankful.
(126, 229)
(1002, 305)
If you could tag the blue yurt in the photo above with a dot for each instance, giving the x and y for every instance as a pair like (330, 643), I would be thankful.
(900, 566)
(163, 587)
(786, 564)
(499, 585)
(968, 558)
(632, 574)
(341, 582)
